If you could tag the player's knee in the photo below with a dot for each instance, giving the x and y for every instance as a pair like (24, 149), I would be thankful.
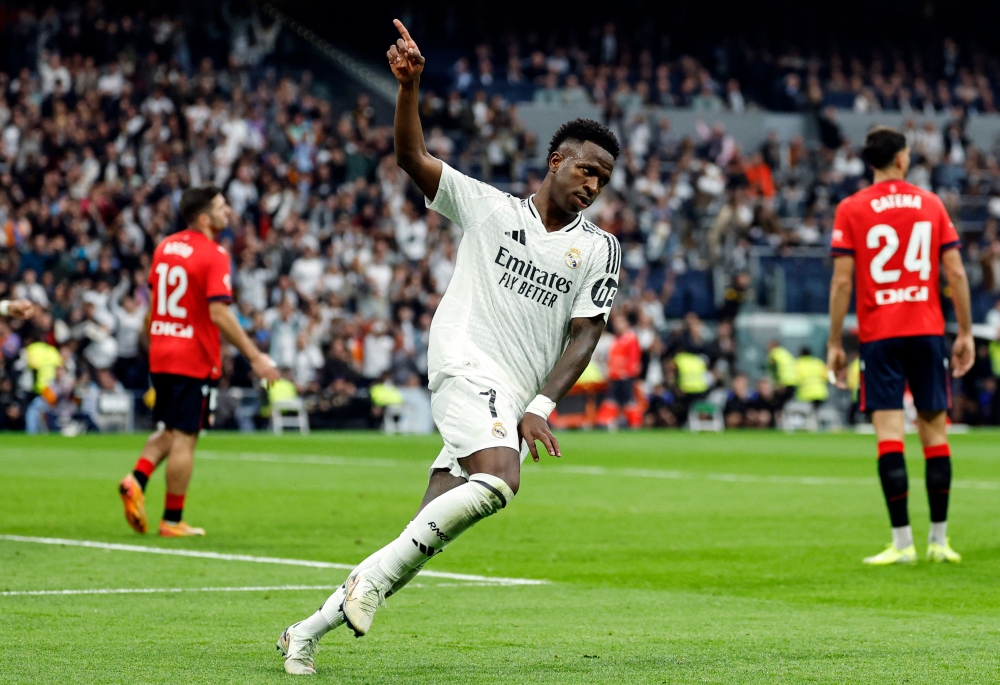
(497, 492)
(938, 474)
(512, 479)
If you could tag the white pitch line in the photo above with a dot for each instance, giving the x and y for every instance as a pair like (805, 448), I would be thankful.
(165, 590)
(219, 556)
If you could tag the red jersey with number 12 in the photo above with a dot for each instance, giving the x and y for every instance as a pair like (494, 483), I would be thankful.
(189, 271)
(896, 233)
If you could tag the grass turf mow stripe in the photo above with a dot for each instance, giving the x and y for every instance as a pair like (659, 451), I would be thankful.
(118, 547)
(334, 460)
(320, 460)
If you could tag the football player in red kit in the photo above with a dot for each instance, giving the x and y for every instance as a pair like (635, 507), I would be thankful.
(191, 294)
(893, 239)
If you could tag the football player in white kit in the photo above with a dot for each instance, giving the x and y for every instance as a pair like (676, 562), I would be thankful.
(533, 285)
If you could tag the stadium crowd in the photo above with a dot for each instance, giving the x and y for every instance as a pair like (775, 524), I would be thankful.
(338, 267)
(609, 69)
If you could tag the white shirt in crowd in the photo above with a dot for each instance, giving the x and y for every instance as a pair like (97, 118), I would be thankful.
(306, 272)
(378, 347)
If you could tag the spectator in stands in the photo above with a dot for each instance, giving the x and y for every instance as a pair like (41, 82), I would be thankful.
(738, 404)
(765, 406)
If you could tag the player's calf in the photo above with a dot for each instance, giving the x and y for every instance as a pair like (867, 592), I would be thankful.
(895, 487)
(938, 479)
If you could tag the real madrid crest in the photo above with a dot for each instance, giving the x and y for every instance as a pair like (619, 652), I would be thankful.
(573, 258)
(499, 431)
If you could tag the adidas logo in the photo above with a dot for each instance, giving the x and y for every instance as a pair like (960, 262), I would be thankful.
(516, 236)
(424, 549)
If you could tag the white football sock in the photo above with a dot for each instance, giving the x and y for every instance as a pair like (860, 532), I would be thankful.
(440, 522)
(327, 618)
(902, 537)
(938, 533)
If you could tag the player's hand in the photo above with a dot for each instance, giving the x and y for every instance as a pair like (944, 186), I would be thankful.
(405, 59)
(21, 309)
(533, 427)
(264, 368)
(836, 361)
(963, 354)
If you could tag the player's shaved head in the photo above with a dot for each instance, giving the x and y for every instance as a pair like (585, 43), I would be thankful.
(882, 145)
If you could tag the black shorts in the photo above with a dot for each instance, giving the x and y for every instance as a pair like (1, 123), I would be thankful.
(888, 365)
(183, 403)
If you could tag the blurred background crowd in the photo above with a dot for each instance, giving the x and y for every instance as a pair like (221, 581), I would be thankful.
(106, 116)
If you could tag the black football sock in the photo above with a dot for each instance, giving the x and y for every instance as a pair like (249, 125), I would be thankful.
(895, 484)
(938, 478)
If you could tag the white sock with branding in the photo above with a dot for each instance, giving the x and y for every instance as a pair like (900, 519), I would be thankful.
(328, 617)
(440, 522)
(902, 537)
(938, 533)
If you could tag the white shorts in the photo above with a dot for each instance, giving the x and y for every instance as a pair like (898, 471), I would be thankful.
(471, 417)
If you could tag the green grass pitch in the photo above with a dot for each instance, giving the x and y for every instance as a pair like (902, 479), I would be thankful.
(672, 558)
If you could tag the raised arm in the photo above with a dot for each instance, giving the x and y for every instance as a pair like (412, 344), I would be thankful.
(840, 299)
(583, 336)
(412, 157)
(963, 352)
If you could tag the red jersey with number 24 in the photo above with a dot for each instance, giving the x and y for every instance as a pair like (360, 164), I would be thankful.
(189, 271)
(896, 233)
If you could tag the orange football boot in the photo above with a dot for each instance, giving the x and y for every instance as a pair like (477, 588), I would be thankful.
(135, 503)
(179, 530)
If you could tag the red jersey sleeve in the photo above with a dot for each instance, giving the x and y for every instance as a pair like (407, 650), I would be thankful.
(219, 285)
(842, 242)
(949, 236)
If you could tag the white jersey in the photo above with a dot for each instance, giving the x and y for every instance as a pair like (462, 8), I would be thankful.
(505, 316)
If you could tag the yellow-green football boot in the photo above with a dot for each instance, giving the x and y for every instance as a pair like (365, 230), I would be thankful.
(891, 555)
(942, 553)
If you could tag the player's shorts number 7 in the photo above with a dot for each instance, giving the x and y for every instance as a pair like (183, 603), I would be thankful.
(918, 252)
(174, 277)
(492, 394)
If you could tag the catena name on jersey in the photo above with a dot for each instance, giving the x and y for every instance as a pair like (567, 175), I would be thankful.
(530, 281)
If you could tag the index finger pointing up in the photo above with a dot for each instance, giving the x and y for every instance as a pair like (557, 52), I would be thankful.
(402, 30)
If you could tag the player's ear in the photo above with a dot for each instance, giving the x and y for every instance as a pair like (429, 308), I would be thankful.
(555, 161)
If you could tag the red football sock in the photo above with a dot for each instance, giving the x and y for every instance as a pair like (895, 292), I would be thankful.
(142, 471)
(174, 509)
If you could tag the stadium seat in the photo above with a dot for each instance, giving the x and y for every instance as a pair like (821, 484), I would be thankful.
(289, 414)
(706, 415)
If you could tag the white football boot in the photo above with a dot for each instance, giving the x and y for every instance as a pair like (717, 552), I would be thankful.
(298, 650)
(362, 600)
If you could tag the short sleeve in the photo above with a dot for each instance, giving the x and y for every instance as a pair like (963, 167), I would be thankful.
(465, 200)
(598, 291)
(219, 287)
(948, 234)
(842, 242)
